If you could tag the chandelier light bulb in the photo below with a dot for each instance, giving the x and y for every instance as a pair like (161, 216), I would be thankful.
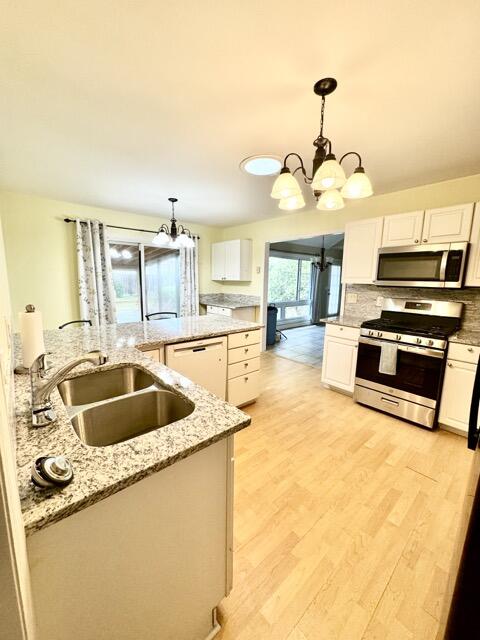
(161, 239)
(285, 186)
(358, 185)
(330, 200)
(189, 242)
(329, 175)
(292, 203)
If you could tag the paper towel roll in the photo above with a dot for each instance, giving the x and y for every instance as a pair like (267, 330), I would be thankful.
(31, 334)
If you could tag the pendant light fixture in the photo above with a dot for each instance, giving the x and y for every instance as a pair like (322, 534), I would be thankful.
(328, 180)
(321, 263)
(175, 237)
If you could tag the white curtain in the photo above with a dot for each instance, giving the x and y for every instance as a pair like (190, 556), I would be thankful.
(189, 305)
(95, 282)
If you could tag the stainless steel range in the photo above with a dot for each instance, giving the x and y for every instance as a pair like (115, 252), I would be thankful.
(401, 358)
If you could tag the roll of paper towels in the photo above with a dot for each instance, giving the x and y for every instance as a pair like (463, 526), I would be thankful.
(31, 334)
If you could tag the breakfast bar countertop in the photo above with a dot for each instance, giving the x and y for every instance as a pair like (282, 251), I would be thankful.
(102, 471)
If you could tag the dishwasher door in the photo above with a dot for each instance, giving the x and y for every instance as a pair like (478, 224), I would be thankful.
(202, 361)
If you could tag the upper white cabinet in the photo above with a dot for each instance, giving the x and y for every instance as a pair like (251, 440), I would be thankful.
(362, 241)
(472, 278)
(232, 260)
(433, 226)
(403, 229)
(448, 224)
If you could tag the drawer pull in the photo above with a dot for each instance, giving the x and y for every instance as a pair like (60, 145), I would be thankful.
(450, 364)
(388, 401)
(470, 349)
(245, 364)
(246, 349)
(246, 335)
(246, 378)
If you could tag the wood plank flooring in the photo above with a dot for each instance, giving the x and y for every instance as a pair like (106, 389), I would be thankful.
(345, 519)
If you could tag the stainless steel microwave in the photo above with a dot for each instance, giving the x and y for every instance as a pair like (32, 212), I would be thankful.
(434, 265)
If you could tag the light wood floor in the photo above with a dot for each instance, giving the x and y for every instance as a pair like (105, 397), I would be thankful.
(344, 518)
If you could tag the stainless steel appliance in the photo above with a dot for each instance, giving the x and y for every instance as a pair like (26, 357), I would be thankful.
(418, 331)
(434, 265)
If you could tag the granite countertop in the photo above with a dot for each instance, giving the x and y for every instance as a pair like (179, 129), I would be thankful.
(346, 320)
(466, 337)
(229, 300)
(102, 471)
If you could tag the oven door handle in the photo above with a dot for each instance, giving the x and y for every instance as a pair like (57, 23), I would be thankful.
(424, 351)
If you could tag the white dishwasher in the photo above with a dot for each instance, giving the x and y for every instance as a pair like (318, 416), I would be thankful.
(202, 361)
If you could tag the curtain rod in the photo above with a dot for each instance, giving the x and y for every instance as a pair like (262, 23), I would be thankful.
(113, 226)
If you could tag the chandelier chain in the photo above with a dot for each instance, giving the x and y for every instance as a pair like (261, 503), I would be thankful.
(322, 116)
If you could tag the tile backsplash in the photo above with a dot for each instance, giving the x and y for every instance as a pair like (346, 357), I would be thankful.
(366, 306)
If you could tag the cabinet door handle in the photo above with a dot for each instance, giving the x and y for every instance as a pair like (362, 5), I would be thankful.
(450, 364)
(417, 241)
(425, 240)
(470, 349)
(246, 349)
(246, 378)
(245, 364)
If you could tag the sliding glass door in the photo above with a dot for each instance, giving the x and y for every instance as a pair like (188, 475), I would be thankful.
(145, 279)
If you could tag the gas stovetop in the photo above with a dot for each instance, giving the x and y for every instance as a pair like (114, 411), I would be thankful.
(419, 323)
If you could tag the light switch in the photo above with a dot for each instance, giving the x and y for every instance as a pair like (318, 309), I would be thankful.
(379, 302)
(352, 298)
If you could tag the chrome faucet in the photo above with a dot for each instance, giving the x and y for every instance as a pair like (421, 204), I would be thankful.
(42, 411)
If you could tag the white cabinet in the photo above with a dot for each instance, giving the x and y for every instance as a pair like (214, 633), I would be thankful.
(448, 224)
(457, 395)
(362, 241)
(232, 260)
(242, 313)
(340, 357)
(403, 229)
(244, 367)
(472, 278)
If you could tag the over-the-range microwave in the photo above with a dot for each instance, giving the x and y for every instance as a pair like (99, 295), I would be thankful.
(434, 265)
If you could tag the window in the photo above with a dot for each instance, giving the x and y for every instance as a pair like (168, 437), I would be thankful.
(289, 282)
(145, 280)
(335, 288)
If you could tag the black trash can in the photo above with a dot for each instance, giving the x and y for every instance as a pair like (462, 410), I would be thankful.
(272, 313)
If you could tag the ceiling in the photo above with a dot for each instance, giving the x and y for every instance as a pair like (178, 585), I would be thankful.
(122, 104)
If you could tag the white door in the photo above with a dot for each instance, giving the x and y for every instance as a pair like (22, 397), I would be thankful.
(457, 395)
(402, 229)
(339, 363)
(362, 241)
(473, 268)
(218, 261)
(448, 224)
(232, 259)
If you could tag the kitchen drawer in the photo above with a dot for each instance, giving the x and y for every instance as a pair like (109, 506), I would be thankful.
(243, 353)
(463, 352)
(244, 389)
(247, 337)
(340, 331)
(241, 368)
(219, 311)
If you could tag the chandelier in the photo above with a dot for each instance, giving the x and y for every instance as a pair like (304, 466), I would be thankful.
(328, 181)
(175, 237)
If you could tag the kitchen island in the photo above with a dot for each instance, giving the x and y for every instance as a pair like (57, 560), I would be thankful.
(140, 543)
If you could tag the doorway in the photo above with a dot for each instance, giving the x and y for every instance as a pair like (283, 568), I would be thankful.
(304, 285)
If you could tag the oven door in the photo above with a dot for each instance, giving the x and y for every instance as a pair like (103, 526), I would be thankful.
(418, 377)
(424, 266)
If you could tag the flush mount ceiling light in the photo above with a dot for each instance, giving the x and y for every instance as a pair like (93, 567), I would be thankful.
(261, 165)
(174, 237)
(328, 180)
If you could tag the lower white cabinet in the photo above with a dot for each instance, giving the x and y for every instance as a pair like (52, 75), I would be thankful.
(156, 354)
(340, 357)
(457, 389)
(240, 313)
(243, 367)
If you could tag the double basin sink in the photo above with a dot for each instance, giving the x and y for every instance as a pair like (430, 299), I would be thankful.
(110, 406)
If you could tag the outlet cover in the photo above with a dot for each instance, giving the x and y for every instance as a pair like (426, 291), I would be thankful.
(352, 298)
(379, 302)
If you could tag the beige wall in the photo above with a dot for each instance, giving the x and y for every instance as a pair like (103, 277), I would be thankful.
(313, 222)
(41, 255)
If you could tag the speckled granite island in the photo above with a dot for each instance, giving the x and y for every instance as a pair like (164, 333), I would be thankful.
(154, 510)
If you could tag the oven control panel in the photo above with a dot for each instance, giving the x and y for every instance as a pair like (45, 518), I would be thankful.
(405, 338)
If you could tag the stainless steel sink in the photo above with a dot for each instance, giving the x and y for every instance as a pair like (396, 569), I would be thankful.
(129, 417)
(102, 385)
